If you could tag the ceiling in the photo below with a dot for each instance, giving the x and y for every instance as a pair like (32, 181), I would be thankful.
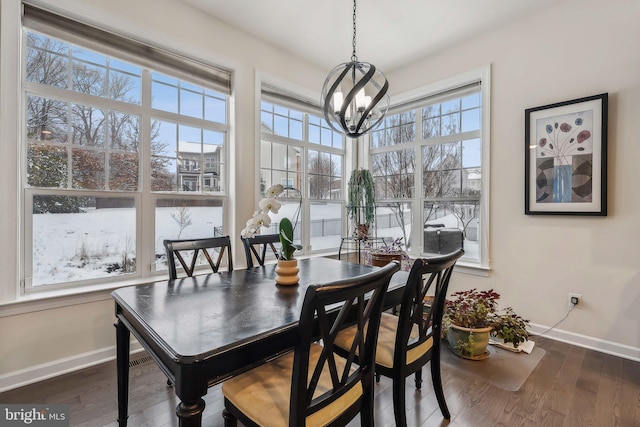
(390, 33)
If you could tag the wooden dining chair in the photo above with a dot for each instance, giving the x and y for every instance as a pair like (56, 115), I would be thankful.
(190, 249)
(412, 338)
(312, 385)
(257, 246)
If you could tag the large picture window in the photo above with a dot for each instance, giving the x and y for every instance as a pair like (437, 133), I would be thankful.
(108, 144)
(299, 149)
(430, 172)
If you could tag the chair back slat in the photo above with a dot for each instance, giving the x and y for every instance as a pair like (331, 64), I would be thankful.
(256, 248)
(327, 309)
(190, 248)
(427, 274)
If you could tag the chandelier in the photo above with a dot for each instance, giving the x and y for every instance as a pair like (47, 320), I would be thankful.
(354, 95)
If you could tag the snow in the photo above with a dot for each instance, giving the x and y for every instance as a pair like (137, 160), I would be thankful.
(97, 243)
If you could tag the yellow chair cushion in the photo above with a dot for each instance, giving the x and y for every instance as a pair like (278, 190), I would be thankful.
(263, 393)
(386, 341)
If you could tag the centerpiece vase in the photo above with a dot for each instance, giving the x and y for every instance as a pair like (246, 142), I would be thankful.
(287, 272)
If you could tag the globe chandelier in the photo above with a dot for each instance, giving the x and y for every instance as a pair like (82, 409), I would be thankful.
(354, 95)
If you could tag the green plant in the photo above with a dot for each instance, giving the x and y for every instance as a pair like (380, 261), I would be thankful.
(361, 196)
(479, 309)
(286, 239)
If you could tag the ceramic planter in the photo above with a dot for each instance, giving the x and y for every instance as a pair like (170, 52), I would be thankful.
(469, 343)
(287, 272)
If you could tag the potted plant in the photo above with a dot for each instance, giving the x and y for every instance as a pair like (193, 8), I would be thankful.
(472, 316)
(361, 206)
(287, 269)
(384, 254)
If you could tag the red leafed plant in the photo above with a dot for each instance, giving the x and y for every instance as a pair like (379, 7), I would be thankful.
(479, 309)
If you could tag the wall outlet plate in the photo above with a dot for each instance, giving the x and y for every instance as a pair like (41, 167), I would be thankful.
(573, 295)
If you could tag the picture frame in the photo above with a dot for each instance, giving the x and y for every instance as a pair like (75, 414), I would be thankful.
(566, 157)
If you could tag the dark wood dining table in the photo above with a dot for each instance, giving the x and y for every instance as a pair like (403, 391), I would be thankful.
(204, 329)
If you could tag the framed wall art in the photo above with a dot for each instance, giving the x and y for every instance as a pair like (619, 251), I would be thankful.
(566, 158)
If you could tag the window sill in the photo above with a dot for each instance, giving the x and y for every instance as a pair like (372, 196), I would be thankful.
(47, 300)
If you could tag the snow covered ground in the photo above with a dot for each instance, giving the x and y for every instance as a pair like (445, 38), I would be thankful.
(102, 242)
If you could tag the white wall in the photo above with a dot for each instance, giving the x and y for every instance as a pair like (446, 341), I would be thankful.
(578, 48)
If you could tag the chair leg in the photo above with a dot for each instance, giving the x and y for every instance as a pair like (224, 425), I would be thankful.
(418, 378)
(229, 419)
(399, 407)
(377, 377)
(437, 385)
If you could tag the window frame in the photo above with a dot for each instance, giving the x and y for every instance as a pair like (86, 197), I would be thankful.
(296, 100)
(144, 197)
(414, 100)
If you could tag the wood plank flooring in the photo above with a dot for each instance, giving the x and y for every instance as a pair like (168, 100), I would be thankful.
(571, 387)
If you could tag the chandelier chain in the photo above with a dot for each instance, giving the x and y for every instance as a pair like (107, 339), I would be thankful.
(354, 58)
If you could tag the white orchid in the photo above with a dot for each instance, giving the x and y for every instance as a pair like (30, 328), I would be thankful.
(269, 204)
(274, 191)
(261, 218)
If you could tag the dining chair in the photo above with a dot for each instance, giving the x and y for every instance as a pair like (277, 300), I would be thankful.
(312, 385)
(190, 249)
(256, 247)
(410, 339)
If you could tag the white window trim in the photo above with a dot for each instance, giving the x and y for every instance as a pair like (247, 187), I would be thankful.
(482, 74)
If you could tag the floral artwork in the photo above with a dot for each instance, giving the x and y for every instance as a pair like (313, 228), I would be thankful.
(565, 157)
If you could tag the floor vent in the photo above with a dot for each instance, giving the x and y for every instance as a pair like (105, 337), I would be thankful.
(140, 361)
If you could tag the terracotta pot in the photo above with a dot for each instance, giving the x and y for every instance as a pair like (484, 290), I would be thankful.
(287, 272)
(382, 259)
(474, 350)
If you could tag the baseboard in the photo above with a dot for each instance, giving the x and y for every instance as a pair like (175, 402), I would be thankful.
(585, 341)
(23, 377)
(59, 367)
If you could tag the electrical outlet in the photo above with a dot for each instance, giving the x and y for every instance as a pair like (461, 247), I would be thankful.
(575, 300)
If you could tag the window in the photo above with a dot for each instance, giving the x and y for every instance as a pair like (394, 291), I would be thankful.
(299, 149)
(91, 129)
(427, 161)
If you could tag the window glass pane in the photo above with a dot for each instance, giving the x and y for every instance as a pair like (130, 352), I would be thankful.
(47, 120)
(471, 153)
(393, 221)
(165, 138)
(325, 225)
(47, 166)
(281, 125)
(88, 126)
(164, 97)
(124, 87)
(186, 219)
(398, 169)
(215, 109)
(295, 130)
(164, 175)
(471, 101)
(47, 60)
(88, 169)
(449, 225)
(470, 120)
(191, 103)
(79, 238)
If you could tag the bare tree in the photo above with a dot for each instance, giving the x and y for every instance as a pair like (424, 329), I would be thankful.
(322, 172)
(182, 216)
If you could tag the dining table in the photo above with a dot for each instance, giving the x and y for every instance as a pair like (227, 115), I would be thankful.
(204, 329)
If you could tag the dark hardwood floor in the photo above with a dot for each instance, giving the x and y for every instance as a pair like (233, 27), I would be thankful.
(571, 386)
